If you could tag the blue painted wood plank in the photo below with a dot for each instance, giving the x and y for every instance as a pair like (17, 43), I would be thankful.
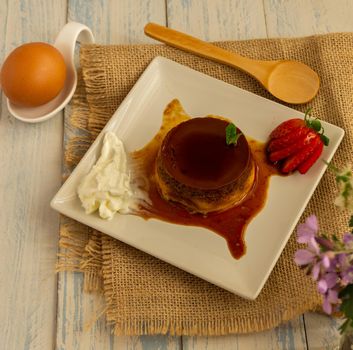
(28, 235)
(112, 22)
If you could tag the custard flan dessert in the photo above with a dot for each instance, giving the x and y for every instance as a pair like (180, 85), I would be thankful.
(197, 169)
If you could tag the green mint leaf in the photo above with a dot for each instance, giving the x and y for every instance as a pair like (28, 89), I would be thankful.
(232, 134)
(351, 221)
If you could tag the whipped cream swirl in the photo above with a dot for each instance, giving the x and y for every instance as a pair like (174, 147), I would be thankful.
(107, 187)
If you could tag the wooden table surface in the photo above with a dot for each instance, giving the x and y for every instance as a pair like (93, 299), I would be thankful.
(42, 310)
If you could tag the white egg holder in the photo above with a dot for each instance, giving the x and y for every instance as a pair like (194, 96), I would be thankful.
(65, 42)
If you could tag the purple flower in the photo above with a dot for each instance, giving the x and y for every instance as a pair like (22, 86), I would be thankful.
(313, 246)
(324, 242)
(327, 282)
(342, 261)
(331, 279)
(326, 305)
(308, 230)
(303, 257)
(331, 298)
(316, 271)
(328, 261)
(322, 286)
(348, 240)
(347, 237)
(347, 276)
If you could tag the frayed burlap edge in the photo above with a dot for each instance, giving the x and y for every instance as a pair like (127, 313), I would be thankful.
(79, 246)
(97, 118)
(217, 328)
(214, 328)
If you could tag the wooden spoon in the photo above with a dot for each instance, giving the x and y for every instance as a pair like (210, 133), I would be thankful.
(289, 81)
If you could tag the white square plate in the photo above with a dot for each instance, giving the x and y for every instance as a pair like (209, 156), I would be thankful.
(194, 249)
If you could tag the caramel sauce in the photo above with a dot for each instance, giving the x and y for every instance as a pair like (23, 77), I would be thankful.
(230, 224)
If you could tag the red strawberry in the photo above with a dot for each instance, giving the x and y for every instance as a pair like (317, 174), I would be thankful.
(285, 141)
(286, 127)
(291, 163)
(294, 148)
(296, 144)
(306, 165)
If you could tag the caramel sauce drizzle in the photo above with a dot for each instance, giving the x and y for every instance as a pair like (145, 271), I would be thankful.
(230, 224)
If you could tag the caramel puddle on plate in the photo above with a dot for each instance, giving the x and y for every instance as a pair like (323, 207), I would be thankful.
(230, 224)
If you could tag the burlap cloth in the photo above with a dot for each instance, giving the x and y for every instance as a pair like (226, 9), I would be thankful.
(147, 296)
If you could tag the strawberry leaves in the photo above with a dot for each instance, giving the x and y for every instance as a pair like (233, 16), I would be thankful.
(325, 140)
(315, 124)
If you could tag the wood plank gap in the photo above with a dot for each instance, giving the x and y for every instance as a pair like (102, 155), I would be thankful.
(166, 13)
(306, 336)
(62, 115)
(6, 30)
(2, 49)
(265, 17)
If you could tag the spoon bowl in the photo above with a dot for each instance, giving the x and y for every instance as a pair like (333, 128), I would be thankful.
(290, 81)
(65, 43)
(293, 82)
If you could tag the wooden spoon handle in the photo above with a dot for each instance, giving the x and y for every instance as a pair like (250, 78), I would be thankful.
(201, 48)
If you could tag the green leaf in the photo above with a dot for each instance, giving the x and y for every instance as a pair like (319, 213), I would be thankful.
(333, 168)
(343, 178)
(325, 139)
(344, 326)
(316, 125)
(346, 295)
(346, 292)
(347, 190)
(232, 134)
(351, 221)
(307, 115)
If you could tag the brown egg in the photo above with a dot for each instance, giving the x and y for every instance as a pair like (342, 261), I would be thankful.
(33, 74)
